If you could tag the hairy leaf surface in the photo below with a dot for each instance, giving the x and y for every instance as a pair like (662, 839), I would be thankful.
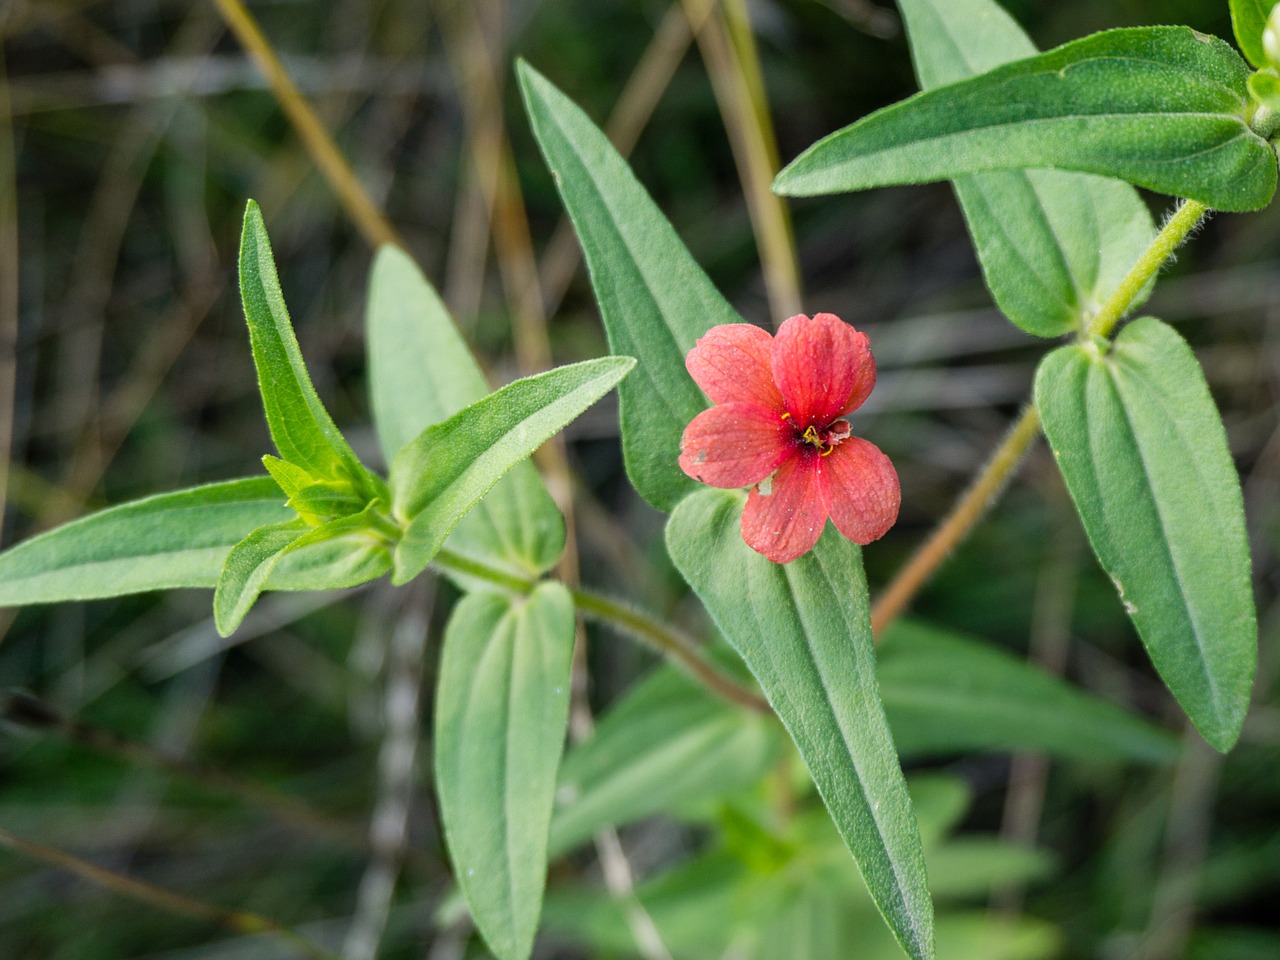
(420, 373)
(301, 428)
(655, 301)
(178, 539)
(502, 704)
(1143, 450)
(804, 630)
(1160, 107)
(1053, 245)
(443, 473)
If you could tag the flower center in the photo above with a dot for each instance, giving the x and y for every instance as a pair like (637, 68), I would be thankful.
(827, 439)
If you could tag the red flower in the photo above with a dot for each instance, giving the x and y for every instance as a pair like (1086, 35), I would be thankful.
(779, 427)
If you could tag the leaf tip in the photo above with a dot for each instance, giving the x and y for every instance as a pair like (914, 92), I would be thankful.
(529, 79)
(1223, 731)
(226, 618)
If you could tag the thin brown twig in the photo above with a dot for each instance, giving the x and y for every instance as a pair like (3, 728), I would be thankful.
(368, 218)
(30, 712)
(900, 591)
(8, 286)
(479, 74)
(234, 921)
(636, 103)
(728, 49)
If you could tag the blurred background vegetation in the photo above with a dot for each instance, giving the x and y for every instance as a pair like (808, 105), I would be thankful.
(131, 135)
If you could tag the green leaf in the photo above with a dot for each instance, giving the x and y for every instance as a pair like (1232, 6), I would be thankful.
(1248, 20)
(421, 372)
(1145, 456)
(320, 500)
(445, 471)
(300, 426)
(945, 693)
(248, 566)
(178, 539)
(343, 552)
(654, 299)
(804, 630)
(697, 906)
(973, 866)
(1161, 107)
(502, 704)
(665, 746)
(1052, 245)
(291, 478)
(714, 905)
(1265, 90)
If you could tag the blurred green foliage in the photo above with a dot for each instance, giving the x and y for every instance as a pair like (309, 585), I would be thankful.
(138, 131)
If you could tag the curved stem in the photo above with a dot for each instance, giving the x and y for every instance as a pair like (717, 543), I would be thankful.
(670, 643)
(957, 524)
(1171, 236)
(902, 589)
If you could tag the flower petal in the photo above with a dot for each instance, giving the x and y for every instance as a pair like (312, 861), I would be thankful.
(785, 518)
(735, 444)
(731, 364)
(823, 367)
(860, 490)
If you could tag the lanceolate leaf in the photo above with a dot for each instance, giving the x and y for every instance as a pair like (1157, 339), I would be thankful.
(502, 703)
(804, 630)
(1161, 107)
(945, 693)
(1145, 457)
(246, 571)
(654, 299)
(344, 552)
(300, 426)
(421, 372)
(668, 744)
(1053, 245)
(445, 471)
(173, 540)
(1248, 18)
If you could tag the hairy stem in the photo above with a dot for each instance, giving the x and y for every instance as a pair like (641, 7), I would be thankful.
(1176, 230)
(975, 501)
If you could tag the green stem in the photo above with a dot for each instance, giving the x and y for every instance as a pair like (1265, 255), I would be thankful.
(670, 643)
(1176, 230)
